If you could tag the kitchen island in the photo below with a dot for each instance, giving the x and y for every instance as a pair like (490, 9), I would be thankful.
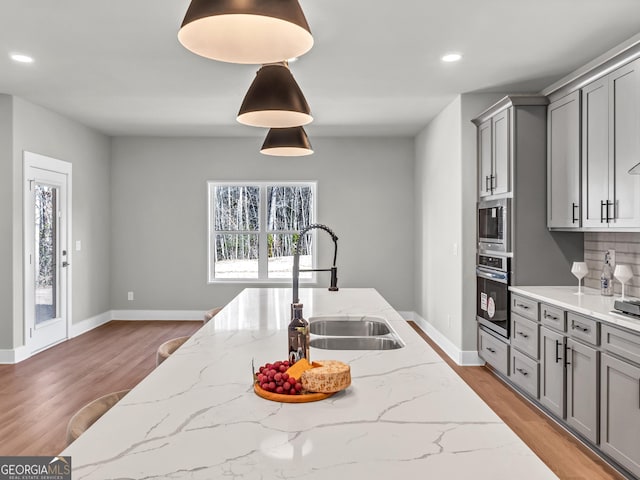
(405, 414)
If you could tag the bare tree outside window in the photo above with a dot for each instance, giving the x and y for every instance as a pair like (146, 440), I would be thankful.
(255, 229)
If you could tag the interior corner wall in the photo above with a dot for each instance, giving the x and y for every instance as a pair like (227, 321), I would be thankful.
(39, 130)
(438, 207)
(6, 220)
(445, 197)
(159, 214)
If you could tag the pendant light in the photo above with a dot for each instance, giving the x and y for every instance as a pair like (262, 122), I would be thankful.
(274, 99)
(286, 142)
(635, 170)
(246, 31)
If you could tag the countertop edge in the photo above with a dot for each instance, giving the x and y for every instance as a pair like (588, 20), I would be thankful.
(590, 304)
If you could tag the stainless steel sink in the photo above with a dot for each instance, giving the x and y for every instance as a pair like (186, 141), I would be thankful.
(356, 343)
(340, 327)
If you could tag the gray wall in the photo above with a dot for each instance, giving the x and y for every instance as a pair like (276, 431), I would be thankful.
(445, 189)
(6, 220)
(159, 214)
(39, 130)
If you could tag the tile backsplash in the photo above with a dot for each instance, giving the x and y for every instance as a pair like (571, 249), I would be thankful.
(627, 248)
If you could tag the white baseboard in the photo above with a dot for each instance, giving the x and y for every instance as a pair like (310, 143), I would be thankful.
(89, 324)
(13, 355)
(157, 314)
(465, 358)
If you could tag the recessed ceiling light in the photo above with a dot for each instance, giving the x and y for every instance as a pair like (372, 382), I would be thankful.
(451, 57)
(19, 57)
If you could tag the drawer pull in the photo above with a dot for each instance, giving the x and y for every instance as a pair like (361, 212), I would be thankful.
(558, 358)
(522, 371)
(491, 350)
(577, 326)
(522, 305)
(552, 317)
(522, 334)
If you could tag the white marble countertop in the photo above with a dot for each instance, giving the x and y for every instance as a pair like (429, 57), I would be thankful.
(405, 415)
(590, 303)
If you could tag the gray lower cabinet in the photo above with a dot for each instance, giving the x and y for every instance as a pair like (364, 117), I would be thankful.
(524, 335)
(494, 351)
(620, 414)
(583, 371)
(552, 371)
(582, 389)
(524, 372)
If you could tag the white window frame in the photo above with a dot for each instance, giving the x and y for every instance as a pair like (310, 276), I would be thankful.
(263, 267)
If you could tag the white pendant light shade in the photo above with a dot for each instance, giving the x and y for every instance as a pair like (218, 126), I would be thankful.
(246, 31)
(286, 142)
(274, 100)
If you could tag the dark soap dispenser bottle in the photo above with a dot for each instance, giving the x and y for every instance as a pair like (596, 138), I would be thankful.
(298, 335)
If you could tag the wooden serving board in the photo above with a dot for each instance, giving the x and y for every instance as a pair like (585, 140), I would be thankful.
(279, 397)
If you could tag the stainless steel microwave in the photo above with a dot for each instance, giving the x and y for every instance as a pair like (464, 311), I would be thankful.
(494, 225)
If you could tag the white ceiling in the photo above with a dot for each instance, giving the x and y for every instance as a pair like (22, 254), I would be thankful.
(375, 67)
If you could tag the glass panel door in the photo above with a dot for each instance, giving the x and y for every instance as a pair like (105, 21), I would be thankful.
(47, 259)
(46, 248)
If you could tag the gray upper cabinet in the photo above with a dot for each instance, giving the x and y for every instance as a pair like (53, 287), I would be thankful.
(485, 158)
(493, 155)
(563, 162)
(610, 147)
(501, 149)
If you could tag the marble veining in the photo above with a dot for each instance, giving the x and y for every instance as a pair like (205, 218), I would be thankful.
(197, 417)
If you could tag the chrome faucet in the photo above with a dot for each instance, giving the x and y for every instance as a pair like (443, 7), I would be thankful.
(296, 263)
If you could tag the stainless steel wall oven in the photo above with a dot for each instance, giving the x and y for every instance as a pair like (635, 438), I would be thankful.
(492, 293)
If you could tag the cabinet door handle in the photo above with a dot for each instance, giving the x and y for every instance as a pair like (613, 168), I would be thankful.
(614, 211)
(491, 350)
(602, 204)
(577, 326)
(522, 371)
(573, 212)
(486, 184)
(522, 305)
(566, 355)
(493, 186)
(558, 358)
(552, 317)
(522, 334)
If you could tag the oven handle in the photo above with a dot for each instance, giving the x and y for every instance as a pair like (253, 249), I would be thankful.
(496, 276)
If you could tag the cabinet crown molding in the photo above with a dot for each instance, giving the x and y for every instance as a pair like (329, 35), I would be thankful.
(511, 101)
(597, 68)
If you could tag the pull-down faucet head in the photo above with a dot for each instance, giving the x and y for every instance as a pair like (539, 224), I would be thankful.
(296, 261)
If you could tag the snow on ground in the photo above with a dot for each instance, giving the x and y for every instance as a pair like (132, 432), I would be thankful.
(279, 267)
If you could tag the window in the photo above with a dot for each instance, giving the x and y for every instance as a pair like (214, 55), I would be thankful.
(254, 227)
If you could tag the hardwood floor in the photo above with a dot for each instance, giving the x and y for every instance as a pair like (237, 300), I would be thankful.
(564, 455)
(40, 394)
